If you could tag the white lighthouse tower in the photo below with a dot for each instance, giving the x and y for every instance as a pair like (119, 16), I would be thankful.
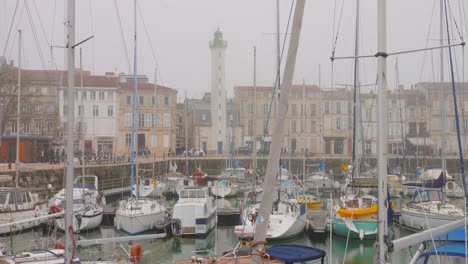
(218, 92)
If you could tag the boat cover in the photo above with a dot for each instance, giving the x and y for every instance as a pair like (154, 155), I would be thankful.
(296, 253)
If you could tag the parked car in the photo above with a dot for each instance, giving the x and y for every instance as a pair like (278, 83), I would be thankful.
(194, 153)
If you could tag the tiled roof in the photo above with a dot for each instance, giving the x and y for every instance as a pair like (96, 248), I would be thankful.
(129, 85)
(295, 87)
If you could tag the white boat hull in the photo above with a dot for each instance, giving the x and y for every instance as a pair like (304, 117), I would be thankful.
(8, 217)
(420, 221)
(150, 190)
(224, 192)
(134, 217)
(88, 220)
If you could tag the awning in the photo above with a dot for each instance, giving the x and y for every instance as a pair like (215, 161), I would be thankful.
(421, 141)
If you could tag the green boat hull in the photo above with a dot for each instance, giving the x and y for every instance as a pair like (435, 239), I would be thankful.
(341, 229)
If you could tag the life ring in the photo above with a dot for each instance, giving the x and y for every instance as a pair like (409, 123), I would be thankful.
(55, 209)
(153, 182)
(59, 246)
(136, 253)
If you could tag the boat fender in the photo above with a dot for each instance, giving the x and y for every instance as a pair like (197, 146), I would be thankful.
(154, 182)
(55, 209)
(136, 253)
(59, 246)
(99, 197)
(251, 217)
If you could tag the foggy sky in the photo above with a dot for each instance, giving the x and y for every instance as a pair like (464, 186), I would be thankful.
(179, 32)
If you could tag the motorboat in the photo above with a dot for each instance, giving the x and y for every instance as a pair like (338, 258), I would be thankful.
(229, 183)
(174, 184)
(200, 178)
(194, 213)
(149, 187)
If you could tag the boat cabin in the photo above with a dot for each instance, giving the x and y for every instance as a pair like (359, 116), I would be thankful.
(17, 200)
(422, 196)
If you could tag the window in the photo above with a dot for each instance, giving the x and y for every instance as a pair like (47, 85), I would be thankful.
(153, 100)
(302, 109)
(203, 116)
(294, 109)
(50, 108)
(411, 112)
(141, 120)
(26, 127)
(179, 119)
(166, 120)
(128, 140)
(65, 109)
(141, 100)
(266, 108)
(313, 126)
(38, 127)
(93, 95)
(368, 115)
(76, 96)
(84, 95)
(265, 94)
(13, 126)
(128, 119)
(110, 96)
(350, 123)
(101, 95)
(327, 107)
(166, 100)
(80, 110)
(250, 131)
(313, 110)
(110, 110)
(265, 127)
(350, 107)
(231, 117)
(250, 108)
(293, 126)
(156, 120)
(38, 108)
(338, 123)
(129, 100)
(338, 107)
(49, 127)
(250, 93)
(95, 110)
(148, 120)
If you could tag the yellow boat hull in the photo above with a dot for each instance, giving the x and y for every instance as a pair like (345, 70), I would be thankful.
(361, 212)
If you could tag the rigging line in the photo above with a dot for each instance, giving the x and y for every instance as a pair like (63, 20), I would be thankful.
(36, 39)
(153, 53)
(45, 35)
(398, 52)
(122, 37)
(454, 21)
(53, 25)
(9, 31)
(427, 39)
(338, 29)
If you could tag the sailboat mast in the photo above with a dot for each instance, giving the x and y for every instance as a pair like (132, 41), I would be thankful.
(274, 156)
(155, 105)
(81, 125)
(186, 134)
(132, 164)
(382, 131)
(254, 123)
(356, 83)
(18, 110)
(69, 248)
(444, 102)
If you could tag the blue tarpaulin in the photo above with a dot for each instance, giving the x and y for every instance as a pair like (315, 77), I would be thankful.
(296, 253)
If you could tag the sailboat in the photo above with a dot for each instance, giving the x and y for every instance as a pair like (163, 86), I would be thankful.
(18, 203)
(135, 214)
(88, 204)
(248, 252)
(356, 214)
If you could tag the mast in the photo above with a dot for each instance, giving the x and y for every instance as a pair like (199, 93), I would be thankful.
(186, 134)
(69, 244)
(443, 103)
(356, 83)
(132, 164)
(274, 156)
(81, 125)
(254, 123)
(154, 119)
(304, 132)
(18, 111)
(382, 131)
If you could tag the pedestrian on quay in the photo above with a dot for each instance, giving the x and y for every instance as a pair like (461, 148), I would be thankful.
(51, 156)
(57, 156)
(62, 156)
